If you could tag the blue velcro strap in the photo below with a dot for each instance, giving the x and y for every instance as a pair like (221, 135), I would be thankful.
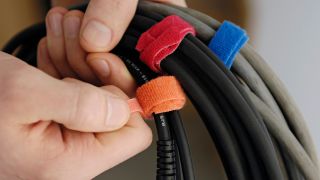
(228, 41)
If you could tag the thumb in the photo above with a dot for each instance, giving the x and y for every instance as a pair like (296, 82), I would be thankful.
(29, 95)
(92, 109)
(105, 22)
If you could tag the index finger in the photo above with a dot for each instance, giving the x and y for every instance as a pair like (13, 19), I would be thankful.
(105, 22)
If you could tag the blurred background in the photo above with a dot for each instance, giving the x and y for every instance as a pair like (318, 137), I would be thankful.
(286, 33)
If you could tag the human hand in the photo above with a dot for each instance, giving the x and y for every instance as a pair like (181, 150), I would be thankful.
(62, 129)
(72, 34)
(61, 55)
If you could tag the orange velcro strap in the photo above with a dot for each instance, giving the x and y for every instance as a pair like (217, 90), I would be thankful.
(163, 94)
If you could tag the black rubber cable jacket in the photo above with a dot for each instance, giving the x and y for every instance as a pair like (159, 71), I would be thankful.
(250, 118)
(249, 154)
(225, 143)
(290, 166)
(35, 32)
(250, 161)
(271, 163)
(182, 144)
(130, 42)
(173, 117)
(166, 147)
(240, 133)
(229, 160)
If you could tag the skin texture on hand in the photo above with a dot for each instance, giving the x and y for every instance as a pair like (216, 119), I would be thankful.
(61, 55)
(62, 129)
(105, 21)
(78, 45)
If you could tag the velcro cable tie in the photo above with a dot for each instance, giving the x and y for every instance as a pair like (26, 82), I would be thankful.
(135, 106)
(228, 41)
(162, 39)
(163, 94)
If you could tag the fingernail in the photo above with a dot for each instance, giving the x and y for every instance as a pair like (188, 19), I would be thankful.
(117, 113)
(101, 67)
(55, 23)
(97, 34)
(72, 27)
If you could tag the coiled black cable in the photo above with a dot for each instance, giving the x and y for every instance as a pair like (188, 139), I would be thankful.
(166, 162)
(271, 165)
(228, 150)
(241, 137)
(142, 75)
(235, 125)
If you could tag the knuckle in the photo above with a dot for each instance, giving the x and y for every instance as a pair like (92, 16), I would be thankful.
(75, 114)
(85, 101)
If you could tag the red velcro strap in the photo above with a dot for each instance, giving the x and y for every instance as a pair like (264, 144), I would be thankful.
(163, 94)
(162, 39)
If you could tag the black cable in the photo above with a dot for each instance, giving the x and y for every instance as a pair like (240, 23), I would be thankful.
(272, 166)
(174, 117)
(47, 4)
(136, 68)
(166, 161)
(182, 145)
(241, 137)
(289, 164)
(233, 91)
(144, 22)
(31, 34)
(221, 134)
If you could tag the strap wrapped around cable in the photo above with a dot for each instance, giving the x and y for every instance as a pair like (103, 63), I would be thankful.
(162, 39)
(253, 122)
(163, 94)
(227, 42)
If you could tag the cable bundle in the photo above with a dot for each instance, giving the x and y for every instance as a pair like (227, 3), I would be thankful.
(255, 125)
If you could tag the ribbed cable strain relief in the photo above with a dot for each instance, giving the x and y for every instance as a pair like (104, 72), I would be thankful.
(166, 160)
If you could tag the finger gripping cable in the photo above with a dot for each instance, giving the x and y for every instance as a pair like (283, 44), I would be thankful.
(174, 52)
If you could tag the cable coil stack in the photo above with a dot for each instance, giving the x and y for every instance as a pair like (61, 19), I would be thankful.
(255, 125)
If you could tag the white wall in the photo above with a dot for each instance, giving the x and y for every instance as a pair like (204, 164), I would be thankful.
(287, 35)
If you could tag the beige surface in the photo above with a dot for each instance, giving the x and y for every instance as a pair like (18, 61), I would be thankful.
(15, 15)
